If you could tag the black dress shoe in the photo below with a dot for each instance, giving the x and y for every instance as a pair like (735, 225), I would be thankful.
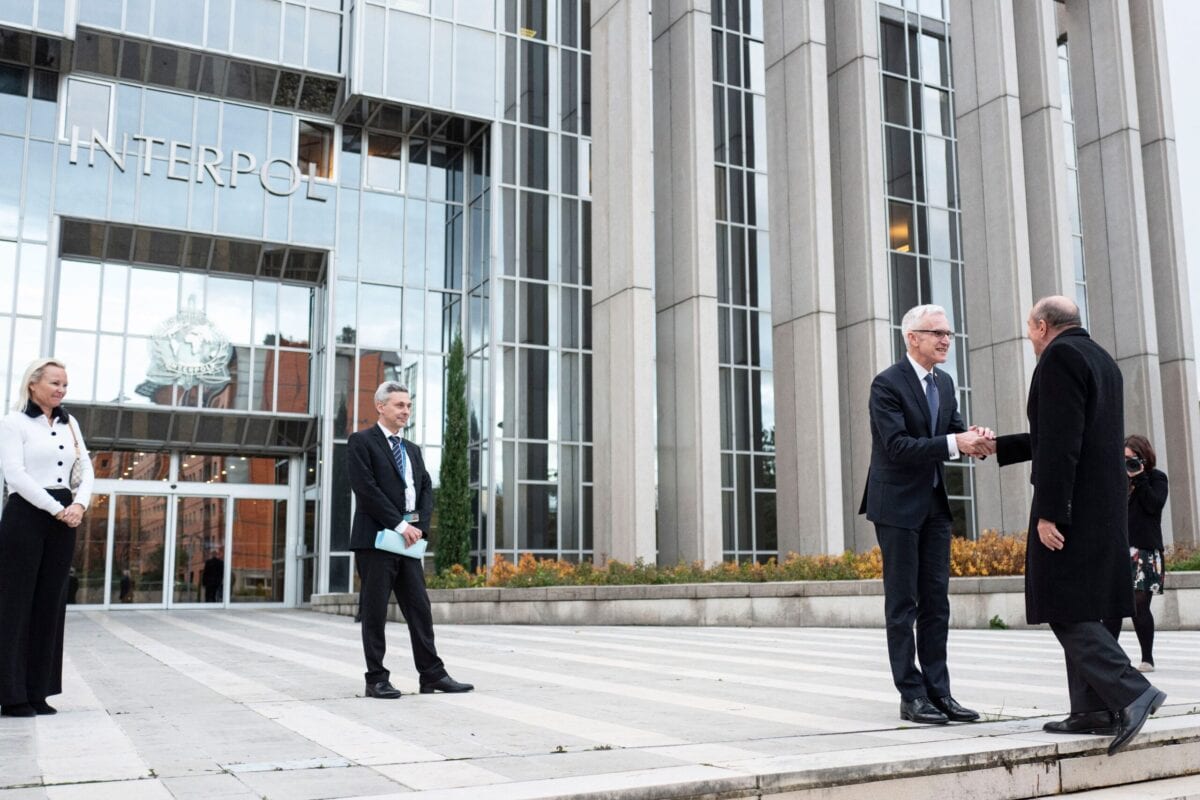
(42, 707)
(17, 710)
(382, 690)
(919, 709)
(1097, 723)
(953, 711)
(445, 684)
(1134, 715)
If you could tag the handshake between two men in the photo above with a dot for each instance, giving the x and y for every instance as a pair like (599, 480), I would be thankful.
(976, 441)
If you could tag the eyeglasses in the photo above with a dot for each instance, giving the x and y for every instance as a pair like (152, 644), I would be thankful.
(936, 334)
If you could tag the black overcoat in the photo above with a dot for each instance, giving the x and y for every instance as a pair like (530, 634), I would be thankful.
(1076, 441)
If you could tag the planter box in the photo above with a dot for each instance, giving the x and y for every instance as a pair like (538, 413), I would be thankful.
(825, 604)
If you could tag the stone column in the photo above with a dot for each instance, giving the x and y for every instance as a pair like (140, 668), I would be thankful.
(1047, 195)
(808, 440)
(1116, 241)
(622, 282)
(689, 451)
(859, 220)
(995, 242)
(1168, 265)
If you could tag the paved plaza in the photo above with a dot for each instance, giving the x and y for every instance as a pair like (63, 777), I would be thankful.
(266, 704)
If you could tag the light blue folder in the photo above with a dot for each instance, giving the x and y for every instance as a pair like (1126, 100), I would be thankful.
(393, 542)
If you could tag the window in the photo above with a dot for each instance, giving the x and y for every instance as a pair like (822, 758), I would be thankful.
(385, 155)
(89, 106)
(314, 148)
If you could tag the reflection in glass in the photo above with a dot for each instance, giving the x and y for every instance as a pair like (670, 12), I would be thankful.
(199, 550)
(88, 107)
(85, 582)
(384, 156)
(259, 528)
(139, 545)
(108, 369)
(78, 351)
(315, 147)
(157, 293)
(379, 316)
(228, 305)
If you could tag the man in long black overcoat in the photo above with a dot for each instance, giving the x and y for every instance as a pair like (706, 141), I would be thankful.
(1077, 554)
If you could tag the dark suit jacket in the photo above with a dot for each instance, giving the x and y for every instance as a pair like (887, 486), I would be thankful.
(379, 488)
(907, 448)
(1076, 441)
(1145, 509)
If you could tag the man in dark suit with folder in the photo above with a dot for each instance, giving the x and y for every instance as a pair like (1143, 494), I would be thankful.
(393, 491)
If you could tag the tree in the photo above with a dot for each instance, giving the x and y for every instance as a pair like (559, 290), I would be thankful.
(454, 494)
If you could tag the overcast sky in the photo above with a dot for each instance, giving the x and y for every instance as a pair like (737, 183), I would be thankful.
(1183, 53)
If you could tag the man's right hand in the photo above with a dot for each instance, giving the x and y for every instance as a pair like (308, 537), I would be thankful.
(411, 534)
(974, 443)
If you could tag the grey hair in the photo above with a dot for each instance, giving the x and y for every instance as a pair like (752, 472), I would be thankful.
(1057, 311)
(915, 314)
(33, 374)
(388, 387)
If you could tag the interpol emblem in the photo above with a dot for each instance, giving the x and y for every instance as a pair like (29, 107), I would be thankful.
(187, 349)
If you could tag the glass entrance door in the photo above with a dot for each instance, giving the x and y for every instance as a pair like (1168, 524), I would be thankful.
(138, 525)
(211, 531)
(200, 536)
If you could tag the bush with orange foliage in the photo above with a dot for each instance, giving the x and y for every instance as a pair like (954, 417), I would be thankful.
(991, 554)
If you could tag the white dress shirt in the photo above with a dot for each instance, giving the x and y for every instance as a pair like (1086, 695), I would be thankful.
(410, 491)
(36, 454)
(921, 373)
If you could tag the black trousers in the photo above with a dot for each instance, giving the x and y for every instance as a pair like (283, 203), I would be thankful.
(1099, 675)
(36, 551)
(916, 585)
(381, 574)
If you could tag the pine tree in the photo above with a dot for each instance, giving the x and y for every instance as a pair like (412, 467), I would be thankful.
(454, 494)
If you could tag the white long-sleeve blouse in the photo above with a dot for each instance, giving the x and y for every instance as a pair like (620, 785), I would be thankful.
(36, 454)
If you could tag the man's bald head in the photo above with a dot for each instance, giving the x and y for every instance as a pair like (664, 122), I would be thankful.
(1058, 312)
(1051, 316)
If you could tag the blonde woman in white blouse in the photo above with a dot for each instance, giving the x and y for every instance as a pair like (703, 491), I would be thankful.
(48, 473)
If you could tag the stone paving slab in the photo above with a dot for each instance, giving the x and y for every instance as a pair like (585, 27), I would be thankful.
(267, 704)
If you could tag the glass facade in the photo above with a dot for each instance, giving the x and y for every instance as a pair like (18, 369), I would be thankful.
(533, 455)
(924, 216)
(743, 282)
(234, 219)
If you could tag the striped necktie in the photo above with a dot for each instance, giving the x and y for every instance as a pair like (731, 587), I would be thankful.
(398, 455)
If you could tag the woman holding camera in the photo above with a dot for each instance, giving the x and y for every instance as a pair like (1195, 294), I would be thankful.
(49, 477)
(1147, 497)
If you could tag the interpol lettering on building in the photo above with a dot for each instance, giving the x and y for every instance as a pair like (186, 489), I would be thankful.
(207, 165)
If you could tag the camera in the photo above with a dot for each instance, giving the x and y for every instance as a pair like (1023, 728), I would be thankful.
(1133, 464)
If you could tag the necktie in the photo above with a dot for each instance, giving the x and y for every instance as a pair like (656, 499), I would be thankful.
(398, 454)
(931, 397)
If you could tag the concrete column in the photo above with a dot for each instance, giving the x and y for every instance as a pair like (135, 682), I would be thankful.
(1116, 241)
(689, 451)
(808, 440)
(622, 283)
(1168, 264)
(1051, 261)
(995, 242)
(859, 220)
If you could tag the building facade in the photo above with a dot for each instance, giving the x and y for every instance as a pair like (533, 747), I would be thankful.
(676, 238)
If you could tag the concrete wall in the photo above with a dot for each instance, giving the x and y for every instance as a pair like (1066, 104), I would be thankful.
(812, 604)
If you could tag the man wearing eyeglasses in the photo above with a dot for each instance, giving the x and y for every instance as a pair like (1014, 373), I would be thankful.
(915, 427)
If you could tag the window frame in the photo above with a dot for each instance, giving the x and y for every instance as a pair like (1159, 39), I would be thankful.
(335, 147)
(64, 92)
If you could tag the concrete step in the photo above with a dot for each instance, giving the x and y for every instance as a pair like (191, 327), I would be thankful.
(1169, 789)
